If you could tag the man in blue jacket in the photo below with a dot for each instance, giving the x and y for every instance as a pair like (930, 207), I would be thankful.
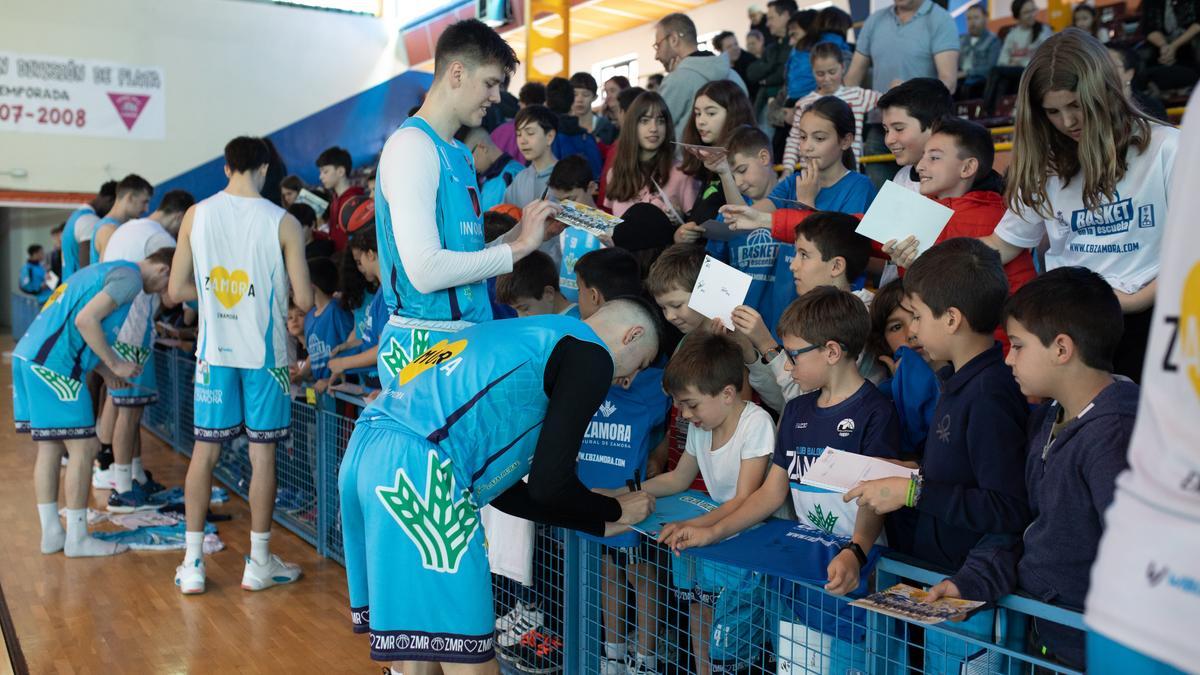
(33, 275)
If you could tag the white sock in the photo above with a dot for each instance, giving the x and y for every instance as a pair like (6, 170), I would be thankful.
(194, 547)
(139, 474)
(122, 477)
(648, 661)
(616, 650)
(53, 535)
(259, 542)
(80, 545)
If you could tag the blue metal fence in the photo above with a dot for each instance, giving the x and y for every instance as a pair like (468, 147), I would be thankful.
(22, 311)
(597, 608)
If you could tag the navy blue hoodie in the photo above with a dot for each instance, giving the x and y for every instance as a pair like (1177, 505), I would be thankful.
(1071, 481)
(973, 504)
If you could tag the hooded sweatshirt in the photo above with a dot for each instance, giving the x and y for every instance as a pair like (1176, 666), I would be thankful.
(1071, 478)
(573, 139)
(680, 86)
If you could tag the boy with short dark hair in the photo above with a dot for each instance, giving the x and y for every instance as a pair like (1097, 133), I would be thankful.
(823, 333)
(571, 138)
(968, 503)
(537, 128)
(604, 274)
(729, 441)
(327, 324)
(532, 288)
(586, 89)
(1065, 327)
(572, 180)
(335, 166)
(33, 276)
(494, 168)
(909, 111)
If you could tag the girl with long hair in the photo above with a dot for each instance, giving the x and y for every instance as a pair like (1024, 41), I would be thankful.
(1091, 172)
(644, 170)
(719, 108)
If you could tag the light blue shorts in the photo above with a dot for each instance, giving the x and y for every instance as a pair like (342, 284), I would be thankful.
(143, 389)
(419, 580)
(50, 406)
(227, 400)
(737, 600)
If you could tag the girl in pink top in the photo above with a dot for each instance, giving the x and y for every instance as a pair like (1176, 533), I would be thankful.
(644, 169)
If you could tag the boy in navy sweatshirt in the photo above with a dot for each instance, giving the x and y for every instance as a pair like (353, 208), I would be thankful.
(967, 506)
(1064, 328)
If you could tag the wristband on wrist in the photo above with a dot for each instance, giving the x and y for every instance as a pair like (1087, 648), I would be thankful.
(769, 355)
(859, 554)
(915, 483)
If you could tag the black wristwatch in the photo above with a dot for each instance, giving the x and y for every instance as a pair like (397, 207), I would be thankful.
(857, 551)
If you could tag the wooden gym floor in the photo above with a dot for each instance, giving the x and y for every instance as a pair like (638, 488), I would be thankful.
(124, 615)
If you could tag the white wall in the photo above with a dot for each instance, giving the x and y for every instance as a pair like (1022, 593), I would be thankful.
(231, 67)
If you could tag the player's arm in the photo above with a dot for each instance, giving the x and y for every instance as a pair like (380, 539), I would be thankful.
(578, 377)
(292, 242)
(87, 321)
(102, 236)
(181, 285)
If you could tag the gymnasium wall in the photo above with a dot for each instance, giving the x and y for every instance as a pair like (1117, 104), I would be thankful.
(230, 67)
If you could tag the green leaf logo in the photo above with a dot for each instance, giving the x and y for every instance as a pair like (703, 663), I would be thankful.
(396, 356)
(138, 355)
(821, 520)
(64, 387)
(439, 525)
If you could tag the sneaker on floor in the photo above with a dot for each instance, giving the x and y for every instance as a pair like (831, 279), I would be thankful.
(525, 621)
(134, 499)
(504, 623)
(614, 666)
(105, 458)
(641, 665)
(190, 578)
(102, 479)
(260, 577)
(152, 487)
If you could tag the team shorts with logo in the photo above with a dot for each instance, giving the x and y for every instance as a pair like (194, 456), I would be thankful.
(226, 400)
(736, 597)
(400, 344)
(415, 551)
(143, 389)
(50, 406)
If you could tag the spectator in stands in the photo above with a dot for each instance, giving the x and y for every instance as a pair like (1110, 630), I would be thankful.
(624, 100)
(1085, 19)
(968, 504)
(912, 38)
(531, 288)
(797, 79)
(613, 87)
(505, 110)
(572, 180)
(313, 247)
(496, 223)
(363, 348)
(909, 111)
(597, 125)
(645, 169)
(769, 71)
(494, 169)
(54, 261)
(604, 274)
(654, 82)
(289, 189)
(571, 138)
(670, 283)
(726, 43)
(1063, 170)
(33, 274)
(505, 135)
(719, 109)
(1126, 62)
(688, 68)
(327, 324)
(1022, 41)
(77, 233)
(755, 46)
(758, 22)
(537, 128)
(335, 167)
(1172, 27)
(978, 51)
(828, 67)
(276, 171)
(1065, 327)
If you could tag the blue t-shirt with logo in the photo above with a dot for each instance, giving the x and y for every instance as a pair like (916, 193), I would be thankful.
(323, 332)
(575, 244)
(756, 253)
(619, 438)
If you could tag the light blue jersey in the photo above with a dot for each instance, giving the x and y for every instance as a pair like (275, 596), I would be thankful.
(53, 342)
(70, 245)
(96, 230)
(479, 396)
(460, 226)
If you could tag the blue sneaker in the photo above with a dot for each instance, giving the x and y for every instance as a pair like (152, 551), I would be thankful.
(152, 487)
(135, 499)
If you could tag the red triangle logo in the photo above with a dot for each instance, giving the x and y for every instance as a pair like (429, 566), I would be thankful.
(129, 107)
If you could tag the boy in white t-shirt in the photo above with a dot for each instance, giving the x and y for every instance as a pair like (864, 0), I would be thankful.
(729, 442)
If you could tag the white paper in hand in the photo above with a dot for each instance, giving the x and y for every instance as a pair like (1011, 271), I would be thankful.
(718, 290)
(840, 471)
(897, 213)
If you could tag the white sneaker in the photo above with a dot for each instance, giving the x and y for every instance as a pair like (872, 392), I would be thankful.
(102, 479)
(506, 622)
(190, 578)
(613, 666)
(526, 619)
(260, 577)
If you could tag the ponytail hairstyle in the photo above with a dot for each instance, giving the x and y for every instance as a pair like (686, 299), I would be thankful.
(1076, 62)
(839, 114)
(629, 173)
(738, 111)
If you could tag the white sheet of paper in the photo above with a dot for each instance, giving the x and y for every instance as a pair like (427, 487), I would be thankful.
(898, 212)
(718, 290)
(840, 471)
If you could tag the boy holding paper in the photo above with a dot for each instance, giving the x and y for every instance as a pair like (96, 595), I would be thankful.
(968, 505)
(823, 332)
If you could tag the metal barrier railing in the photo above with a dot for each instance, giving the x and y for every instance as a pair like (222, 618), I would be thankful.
(23, 309)
(692, 613)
